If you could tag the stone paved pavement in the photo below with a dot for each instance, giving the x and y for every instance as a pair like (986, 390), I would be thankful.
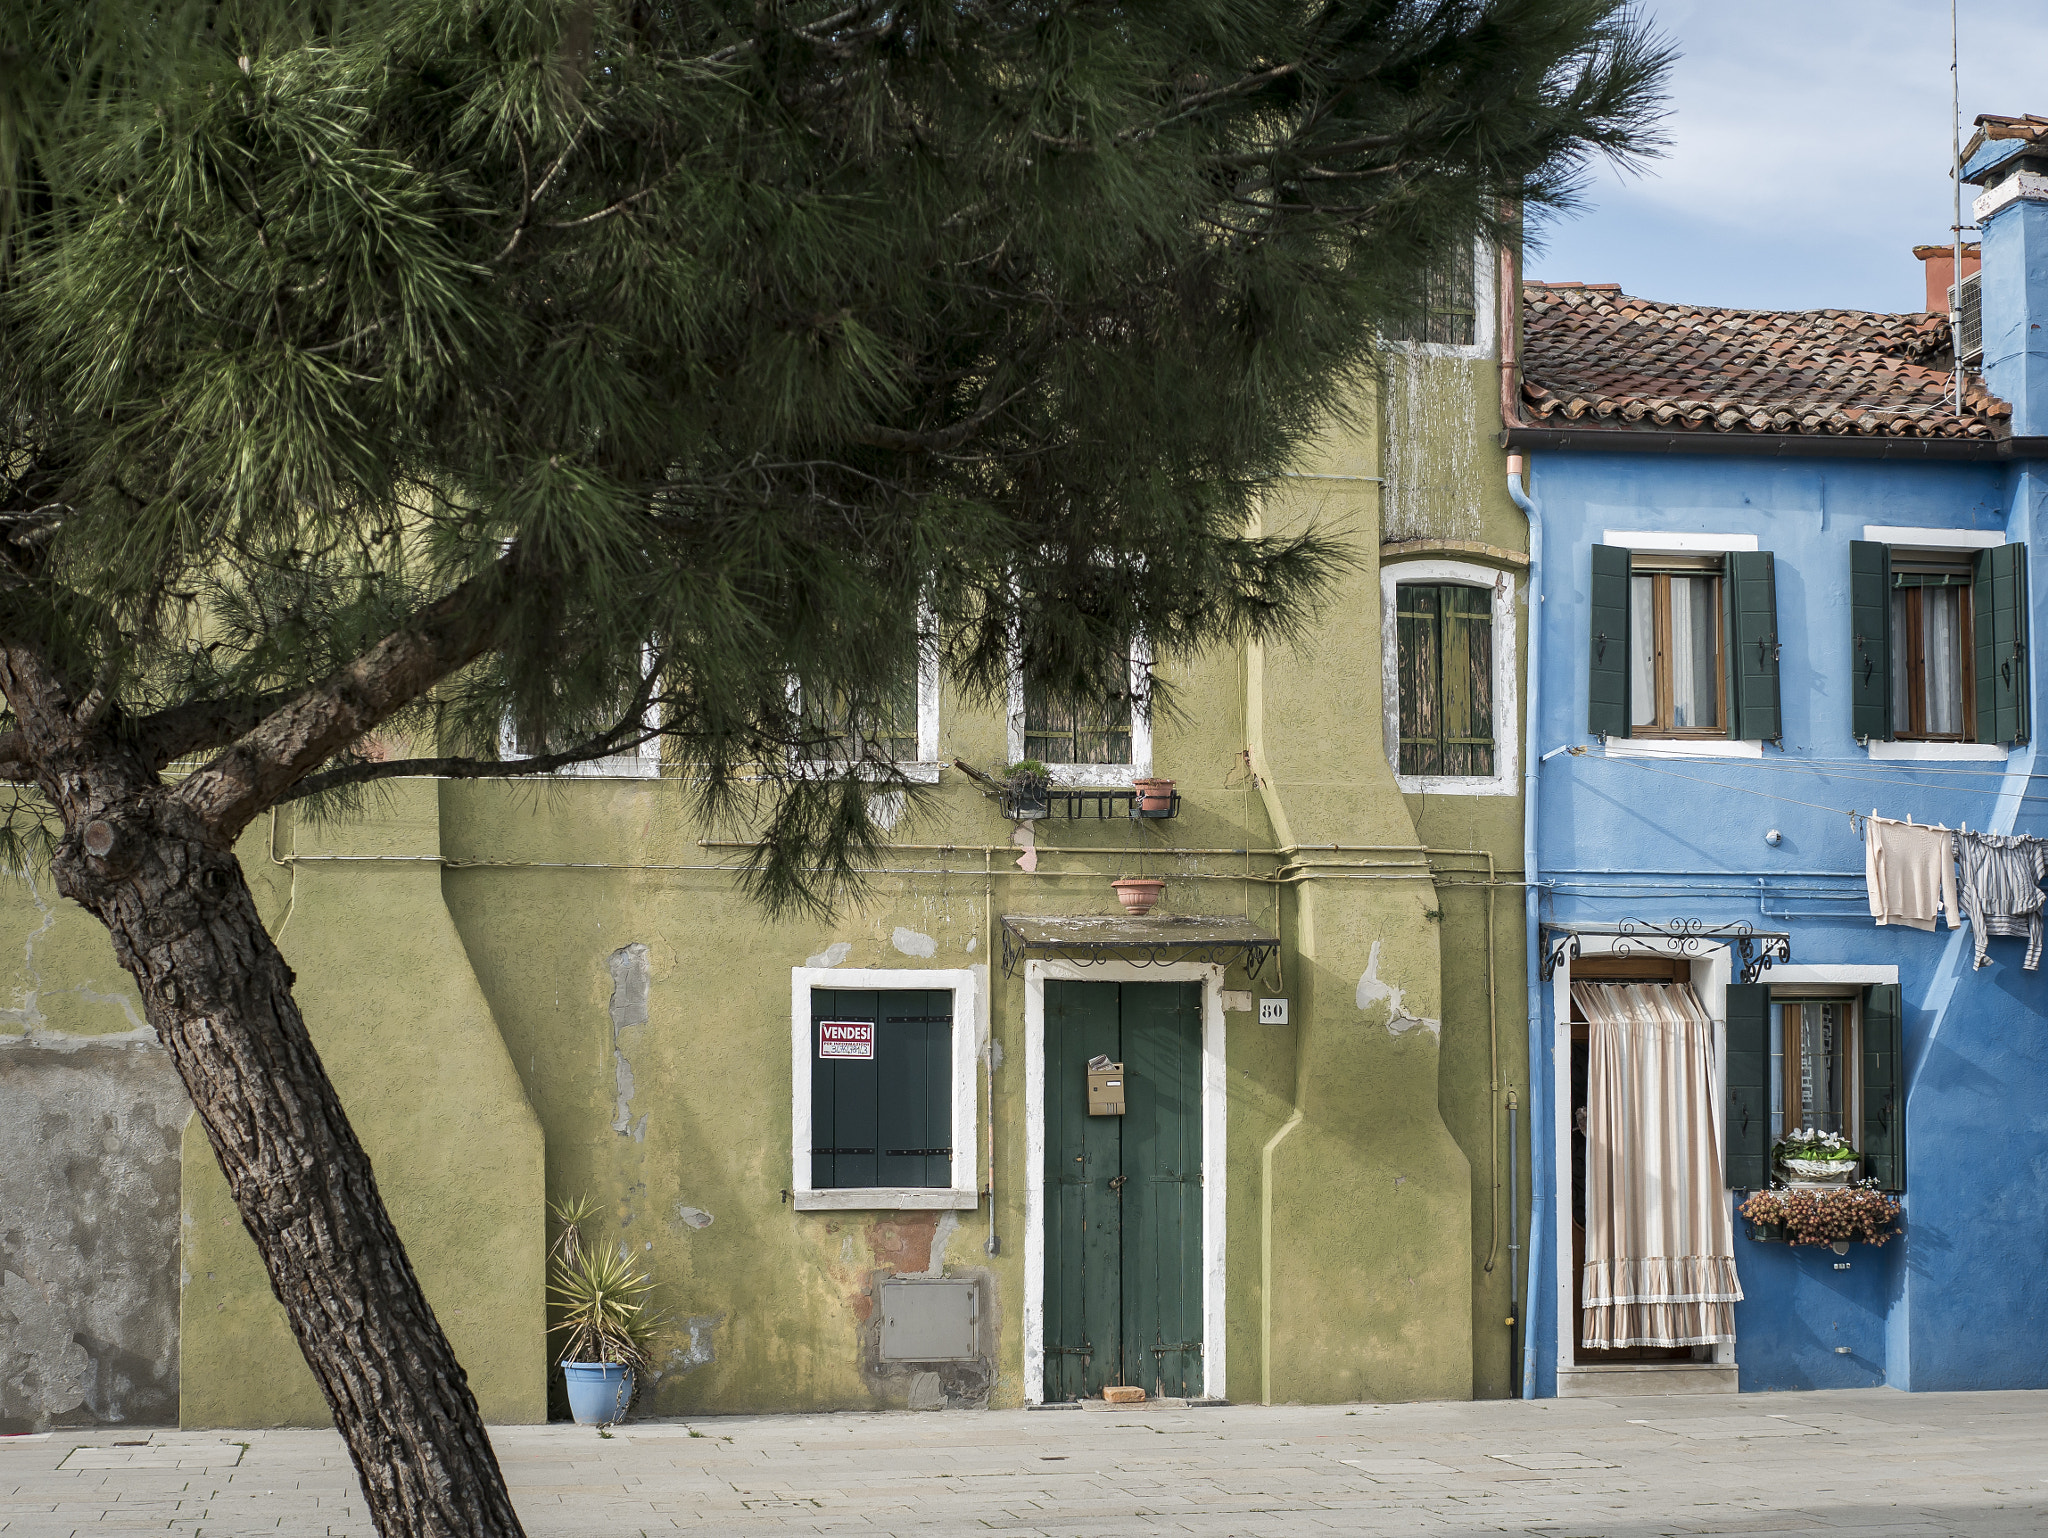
(1865, 1464)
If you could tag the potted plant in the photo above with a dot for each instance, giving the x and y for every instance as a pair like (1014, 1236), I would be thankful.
(1812, 1157)
(1025, 788)
(1137, 893)
(1155, 797)
(1813, 1215)
(607, 1325)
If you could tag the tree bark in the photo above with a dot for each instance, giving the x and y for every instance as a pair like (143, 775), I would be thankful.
(156, 865)
(219, 996)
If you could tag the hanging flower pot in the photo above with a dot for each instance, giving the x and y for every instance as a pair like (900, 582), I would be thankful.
(1155, 797)
(1138, 893)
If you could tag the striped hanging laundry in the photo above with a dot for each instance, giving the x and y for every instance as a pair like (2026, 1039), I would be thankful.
(2001, 890)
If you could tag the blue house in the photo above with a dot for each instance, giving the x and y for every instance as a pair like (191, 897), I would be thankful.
(1785, 594)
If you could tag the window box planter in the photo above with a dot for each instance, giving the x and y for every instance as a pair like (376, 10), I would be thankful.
(1155, 798)
(1837, 1216)
(1027, 792)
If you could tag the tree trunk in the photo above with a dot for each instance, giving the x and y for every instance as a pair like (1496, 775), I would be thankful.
(219, 996)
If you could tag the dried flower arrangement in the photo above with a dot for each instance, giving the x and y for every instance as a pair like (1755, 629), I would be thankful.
(1826, 1217)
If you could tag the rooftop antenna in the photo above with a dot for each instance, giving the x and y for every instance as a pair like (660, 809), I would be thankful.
(1955, 284)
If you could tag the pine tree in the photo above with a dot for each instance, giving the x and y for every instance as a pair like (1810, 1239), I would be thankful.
(392, 373)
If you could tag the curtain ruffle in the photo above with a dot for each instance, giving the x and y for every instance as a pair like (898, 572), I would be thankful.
(1659, 1324)
(1662, 1279)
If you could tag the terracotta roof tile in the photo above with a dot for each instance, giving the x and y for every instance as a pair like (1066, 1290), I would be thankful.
(1594, 356)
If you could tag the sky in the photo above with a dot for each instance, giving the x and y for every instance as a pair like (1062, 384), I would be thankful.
(1809, 152)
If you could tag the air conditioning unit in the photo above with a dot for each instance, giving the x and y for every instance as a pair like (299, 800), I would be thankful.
(1971, 310)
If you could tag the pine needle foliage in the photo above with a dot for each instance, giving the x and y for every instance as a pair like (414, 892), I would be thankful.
(692, 349)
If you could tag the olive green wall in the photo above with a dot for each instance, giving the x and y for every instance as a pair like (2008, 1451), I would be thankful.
(558, 989)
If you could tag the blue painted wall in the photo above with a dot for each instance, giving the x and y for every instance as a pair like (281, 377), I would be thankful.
(1961, 1300)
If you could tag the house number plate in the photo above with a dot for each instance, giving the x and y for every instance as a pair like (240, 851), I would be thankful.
(1272, 1011)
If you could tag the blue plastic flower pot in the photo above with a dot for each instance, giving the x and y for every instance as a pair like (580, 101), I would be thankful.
(598, 1391)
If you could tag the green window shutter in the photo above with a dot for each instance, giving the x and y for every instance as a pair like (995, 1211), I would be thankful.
(1421, 677)
(1999, 597)
(913, 1090)
(1753, 709)
(843, 1094)
(1468, 680)
(1607, 656)
(1870, 640)
(1884, 1087)
(1748, 1102)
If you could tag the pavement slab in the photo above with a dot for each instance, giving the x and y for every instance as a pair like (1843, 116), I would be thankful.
(1856, 1464)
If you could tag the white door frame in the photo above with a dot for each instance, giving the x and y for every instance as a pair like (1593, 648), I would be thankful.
(1036, 975)
(1712, 971)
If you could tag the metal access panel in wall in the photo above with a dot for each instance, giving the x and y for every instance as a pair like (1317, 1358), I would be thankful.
(936, 1321)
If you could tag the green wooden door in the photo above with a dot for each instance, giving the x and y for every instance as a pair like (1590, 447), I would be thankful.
(1123, 1252)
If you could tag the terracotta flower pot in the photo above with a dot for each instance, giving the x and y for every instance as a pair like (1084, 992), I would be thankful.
(1155, 797)
(1138, 893)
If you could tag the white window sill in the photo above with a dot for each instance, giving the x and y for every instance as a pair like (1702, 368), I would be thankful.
(1455, 785)
(887, 1199)
(1939, 752)
(1683, 747)
(622, 767)
(1094, 776)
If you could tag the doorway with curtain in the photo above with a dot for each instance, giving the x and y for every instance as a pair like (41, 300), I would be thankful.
(1652, 1243)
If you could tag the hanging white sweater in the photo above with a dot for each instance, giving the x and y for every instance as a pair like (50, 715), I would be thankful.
(1911, 872)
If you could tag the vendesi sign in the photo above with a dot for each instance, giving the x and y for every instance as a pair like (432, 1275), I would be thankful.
(846, 1038)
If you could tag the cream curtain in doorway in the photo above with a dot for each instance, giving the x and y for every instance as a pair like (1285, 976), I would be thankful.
(1660, 1247)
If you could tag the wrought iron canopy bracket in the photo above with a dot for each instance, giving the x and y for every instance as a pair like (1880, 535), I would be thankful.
(1160, 948)
(1755, 949)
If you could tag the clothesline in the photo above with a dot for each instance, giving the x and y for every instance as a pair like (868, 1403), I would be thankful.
(1912, 868)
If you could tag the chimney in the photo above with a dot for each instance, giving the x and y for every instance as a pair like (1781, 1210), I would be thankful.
(2008, 158)
(1938, 266)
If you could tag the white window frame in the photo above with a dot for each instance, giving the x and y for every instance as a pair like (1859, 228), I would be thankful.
(1485, 264)
(643, 763)
(970, 1030)
(1506, 780)
(1097, 776)
(924, 769)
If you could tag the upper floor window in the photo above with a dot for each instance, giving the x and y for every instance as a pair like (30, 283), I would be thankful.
(1674, 645)
(1683, 641)
(1938, 641)
(1445, 303)
(900, 723)
(1447, 648)
(1445, 645)
(1100, 741)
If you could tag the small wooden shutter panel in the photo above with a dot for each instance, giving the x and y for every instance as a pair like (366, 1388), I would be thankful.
(1870, 640)
(1999, 597)
(1884, 1087)
(1753, 712)
(1748, 1124)
(1607, 709)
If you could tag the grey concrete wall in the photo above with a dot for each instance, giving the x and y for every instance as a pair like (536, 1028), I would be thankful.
(89, 1245)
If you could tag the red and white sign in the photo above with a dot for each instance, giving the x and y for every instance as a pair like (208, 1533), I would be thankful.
(846, 1038)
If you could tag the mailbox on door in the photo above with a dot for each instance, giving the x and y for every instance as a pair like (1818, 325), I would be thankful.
(1105, 1087)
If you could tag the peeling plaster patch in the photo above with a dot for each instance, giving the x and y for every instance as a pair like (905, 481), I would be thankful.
(700, 1352)
(831, 955)
(28, 1015)
(942, 1235)
(995, 1056)
(911, 943)
(1372, 991)
(1025, 837)
(695, 1217)
(628, 1006)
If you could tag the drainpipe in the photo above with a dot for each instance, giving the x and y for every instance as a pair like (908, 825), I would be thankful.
(1510, 289)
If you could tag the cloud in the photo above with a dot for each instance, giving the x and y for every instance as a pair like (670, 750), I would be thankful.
(1810, 150)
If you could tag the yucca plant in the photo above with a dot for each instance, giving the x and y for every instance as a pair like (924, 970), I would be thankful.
(601, 1294)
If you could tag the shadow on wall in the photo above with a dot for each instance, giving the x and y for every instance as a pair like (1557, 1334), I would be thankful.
(89, 1247)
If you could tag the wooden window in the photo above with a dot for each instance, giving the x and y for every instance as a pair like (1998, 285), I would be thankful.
(1677, 684)
(884, 1120)
(1932, 667)
(841, 728)
(1445, 640)
(1059, 730)
(1813, 1057)
(1444, 303)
